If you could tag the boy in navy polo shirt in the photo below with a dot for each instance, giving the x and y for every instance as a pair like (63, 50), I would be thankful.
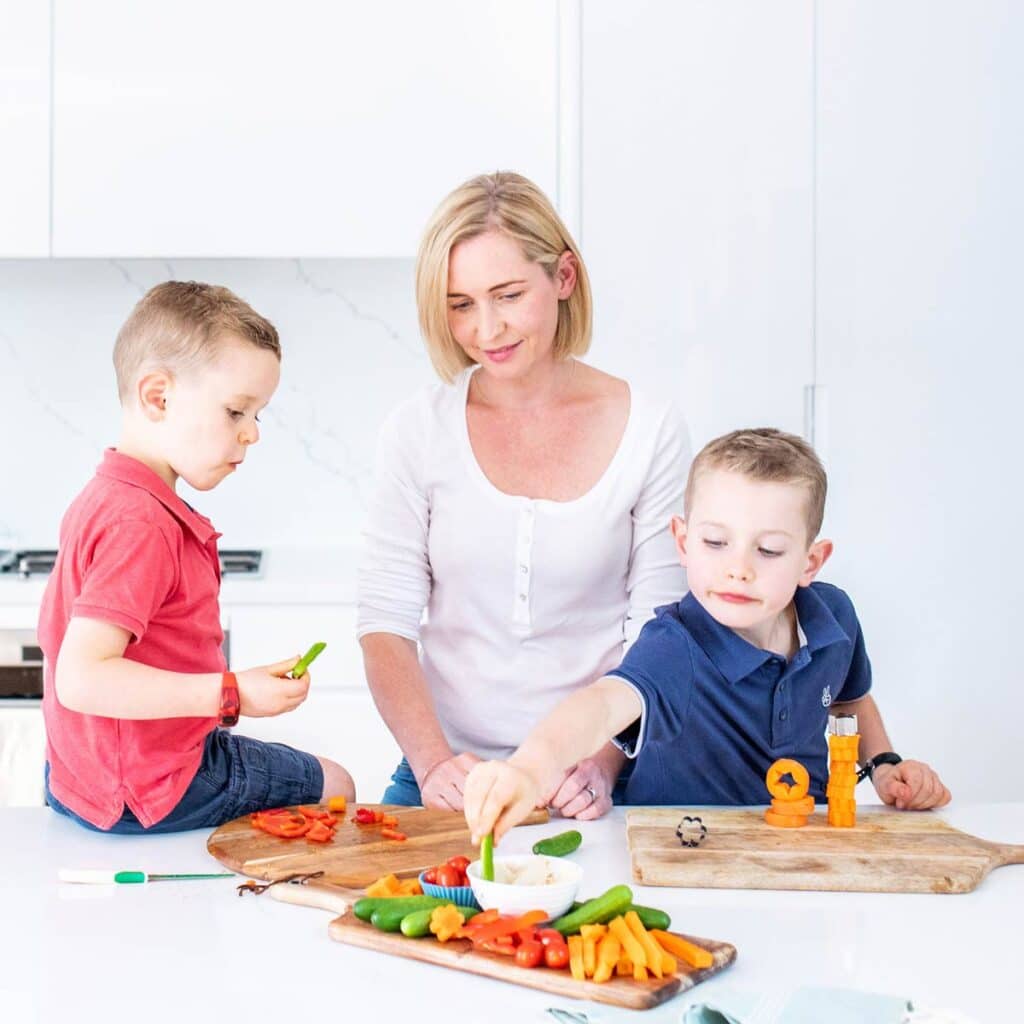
(745, 669)
(135, 683)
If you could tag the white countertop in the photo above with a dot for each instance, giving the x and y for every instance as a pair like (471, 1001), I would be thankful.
(171, 950)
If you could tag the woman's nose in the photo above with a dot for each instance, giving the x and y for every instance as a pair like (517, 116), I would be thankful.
(489, 325)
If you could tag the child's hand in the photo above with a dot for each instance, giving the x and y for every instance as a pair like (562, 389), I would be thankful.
(497, 796)
(910, 786)
(269, 690)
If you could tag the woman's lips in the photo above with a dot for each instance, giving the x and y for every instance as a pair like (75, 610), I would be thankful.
(499, 355)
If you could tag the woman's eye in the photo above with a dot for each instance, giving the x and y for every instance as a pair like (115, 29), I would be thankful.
(512, 296)
(714, 543)
(768, 553)
(460, 307)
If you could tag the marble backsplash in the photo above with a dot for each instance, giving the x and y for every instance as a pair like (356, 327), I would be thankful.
(351, 351)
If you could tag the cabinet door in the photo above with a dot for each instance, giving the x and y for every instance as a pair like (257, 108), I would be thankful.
(698, 201)
(24, 129)
(919, 343)
(316, 128)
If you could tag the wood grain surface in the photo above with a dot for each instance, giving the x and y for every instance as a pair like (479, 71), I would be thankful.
(357, 855)
(887, 851)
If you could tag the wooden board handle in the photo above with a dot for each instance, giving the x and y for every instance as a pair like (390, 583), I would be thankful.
(1011, 853)
(319, 896)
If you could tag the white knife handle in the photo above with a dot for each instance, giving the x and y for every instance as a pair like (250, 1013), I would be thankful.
(86, 876)
(312, 895)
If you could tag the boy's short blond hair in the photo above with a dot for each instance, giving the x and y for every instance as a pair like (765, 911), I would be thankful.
(180, 324)
(514, 205)
(768, 455)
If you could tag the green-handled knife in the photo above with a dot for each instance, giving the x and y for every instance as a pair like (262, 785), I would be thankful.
(101, 877)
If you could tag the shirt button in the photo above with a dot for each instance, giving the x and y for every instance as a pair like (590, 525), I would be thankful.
(524, 569)
(522, 597)
(782, 687)
(783, 715)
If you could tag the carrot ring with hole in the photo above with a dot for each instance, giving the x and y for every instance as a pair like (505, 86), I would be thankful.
(784, 790)
(785, 820)
(804, 806)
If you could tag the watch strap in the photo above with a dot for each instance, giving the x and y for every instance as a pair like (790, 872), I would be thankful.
(867, 770)
(230, 704)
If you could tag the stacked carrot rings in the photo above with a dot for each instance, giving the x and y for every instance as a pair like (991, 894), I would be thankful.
(791, 803)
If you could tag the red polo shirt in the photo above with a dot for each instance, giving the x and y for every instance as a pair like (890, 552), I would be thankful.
(134, 554)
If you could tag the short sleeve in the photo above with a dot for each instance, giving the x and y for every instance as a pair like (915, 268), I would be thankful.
(659, 666)
(130, 574)
(394, 572)
(655, 576)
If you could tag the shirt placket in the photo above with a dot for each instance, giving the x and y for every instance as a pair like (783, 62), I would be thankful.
(523, 575)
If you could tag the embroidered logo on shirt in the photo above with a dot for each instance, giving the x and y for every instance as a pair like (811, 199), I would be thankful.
(826, 696)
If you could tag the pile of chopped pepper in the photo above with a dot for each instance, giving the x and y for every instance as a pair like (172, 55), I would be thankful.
(388, 822)
(518, 937)
(313, 822)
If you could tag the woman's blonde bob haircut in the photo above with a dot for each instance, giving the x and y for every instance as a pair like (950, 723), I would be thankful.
(512, 204)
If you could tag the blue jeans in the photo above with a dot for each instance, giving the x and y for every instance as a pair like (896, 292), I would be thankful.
(237, 775)
(405, 792)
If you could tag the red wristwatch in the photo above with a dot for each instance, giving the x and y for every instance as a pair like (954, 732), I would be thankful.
(230, 703)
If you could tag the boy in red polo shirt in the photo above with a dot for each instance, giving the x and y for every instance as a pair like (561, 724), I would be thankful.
(135, 683)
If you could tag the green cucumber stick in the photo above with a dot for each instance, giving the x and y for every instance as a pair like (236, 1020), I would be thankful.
(487, 857)
(299, 669)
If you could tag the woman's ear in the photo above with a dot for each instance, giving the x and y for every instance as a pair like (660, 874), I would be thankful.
(566, 274)
(153, 390)
(819, 554)
(678, 526)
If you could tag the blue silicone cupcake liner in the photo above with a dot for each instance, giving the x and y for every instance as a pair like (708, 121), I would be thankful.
(461, 895)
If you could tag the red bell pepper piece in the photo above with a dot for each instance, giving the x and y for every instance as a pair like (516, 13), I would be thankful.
(319, 832)
(508, 926)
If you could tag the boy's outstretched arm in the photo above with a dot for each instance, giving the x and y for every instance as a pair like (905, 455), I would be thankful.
(909, 785)
(499, 794)
(93, 677)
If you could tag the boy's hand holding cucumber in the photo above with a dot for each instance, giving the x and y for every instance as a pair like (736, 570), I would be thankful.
(275, 689)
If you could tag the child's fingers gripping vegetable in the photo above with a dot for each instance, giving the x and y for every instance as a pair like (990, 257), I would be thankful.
(269, 690)
(497, 796)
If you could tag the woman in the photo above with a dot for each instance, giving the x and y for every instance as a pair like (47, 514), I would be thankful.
(524, 503)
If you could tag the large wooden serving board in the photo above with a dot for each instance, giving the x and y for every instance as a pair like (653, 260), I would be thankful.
(460, 955)
(357, 855)
(887, 851)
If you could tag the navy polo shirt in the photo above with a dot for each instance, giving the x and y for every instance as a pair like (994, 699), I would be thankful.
(718, 710)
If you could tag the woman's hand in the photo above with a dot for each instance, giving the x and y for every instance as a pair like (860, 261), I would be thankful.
(910, 786)
(442, 787)
(585, 792)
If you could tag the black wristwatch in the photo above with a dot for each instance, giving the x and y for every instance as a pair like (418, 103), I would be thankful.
(867, 769)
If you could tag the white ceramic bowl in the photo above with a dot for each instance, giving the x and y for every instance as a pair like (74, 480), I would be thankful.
(555, 898)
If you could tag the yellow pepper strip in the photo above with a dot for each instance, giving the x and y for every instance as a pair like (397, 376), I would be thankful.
(608, 950)
(591, 934)
(410, 887)
(446, 922)
(668, 963)
(639, 973)
(624, 968)
(576, 958)
(651, 949)
(632, 948)
(693, 955)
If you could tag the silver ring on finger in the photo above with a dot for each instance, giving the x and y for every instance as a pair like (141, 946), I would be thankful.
(592, 792)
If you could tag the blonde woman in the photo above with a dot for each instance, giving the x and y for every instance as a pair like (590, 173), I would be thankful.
(524, 503)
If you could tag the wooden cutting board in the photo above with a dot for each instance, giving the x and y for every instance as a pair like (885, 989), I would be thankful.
(357, 855)
(459, 955)
(887, 851)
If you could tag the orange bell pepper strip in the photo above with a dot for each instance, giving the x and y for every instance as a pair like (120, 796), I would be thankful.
(506, 926)
(695, 956)
(320, 833)
(484, 917)
(390, 833)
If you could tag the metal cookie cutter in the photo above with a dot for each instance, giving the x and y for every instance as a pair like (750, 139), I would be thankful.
(256, 889)
(691, 831)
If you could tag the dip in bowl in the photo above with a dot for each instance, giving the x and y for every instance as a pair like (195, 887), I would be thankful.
(527, 882)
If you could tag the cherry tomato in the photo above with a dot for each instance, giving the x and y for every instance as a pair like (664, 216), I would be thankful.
(459, 863)
(547, 936)
(529, 954)
(556, 955)
(449, 876)
(430, 876)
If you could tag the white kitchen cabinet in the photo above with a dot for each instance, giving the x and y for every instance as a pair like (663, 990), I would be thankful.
(343, 726)
(24, 129)
(317, 129)
(698, 203)
(920, 220)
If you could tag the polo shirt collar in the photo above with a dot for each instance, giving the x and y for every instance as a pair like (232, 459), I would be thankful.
(737, 658)
(126, 470)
